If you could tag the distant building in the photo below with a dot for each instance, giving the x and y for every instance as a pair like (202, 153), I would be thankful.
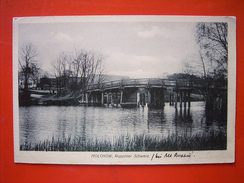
(47, 83)
(32, 83)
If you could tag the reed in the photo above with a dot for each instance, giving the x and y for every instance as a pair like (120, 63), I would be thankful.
(205, 141)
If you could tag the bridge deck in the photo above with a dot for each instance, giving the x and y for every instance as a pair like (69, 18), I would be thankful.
(145, 82)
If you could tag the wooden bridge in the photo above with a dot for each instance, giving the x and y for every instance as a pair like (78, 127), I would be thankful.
(140, 92)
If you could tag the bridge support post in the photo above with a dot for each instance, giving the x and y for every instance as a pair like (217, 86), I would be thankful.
(121, 97)
(185, 99)
(92, 100)
(156, 97)
(163, 99)
(89, 98)
(97, 98)
(116, 98)
(181, 99)
(112, 98)
(189, 99)
(149, 98)
(171, 99)
(102, 98)
(184, 113)
(176, 98)
(86, 98)
(138, 98)
(82, 98)
(108, 99)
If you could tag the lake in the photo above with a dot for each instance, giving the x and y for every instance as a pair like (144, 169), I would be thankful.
(40, 123)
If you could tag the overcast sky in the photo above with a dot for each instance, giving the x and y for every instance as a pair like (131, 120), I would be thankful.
(134, 49)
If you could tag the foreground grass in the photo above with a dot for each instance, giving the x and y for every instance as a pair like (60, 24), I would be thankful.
(206, 141)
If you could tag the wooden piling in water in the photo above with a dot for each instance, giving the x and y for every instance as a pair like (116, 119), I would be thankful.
(102, 98)
(189, 99)
(121, 97)
(184, 99)
(176, 98)
(181, 99)
(170, 102)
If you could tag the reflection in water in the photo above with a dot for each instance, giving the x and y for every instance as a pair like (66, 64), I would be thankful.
(183, 122)
(39, 123)
(156, 121)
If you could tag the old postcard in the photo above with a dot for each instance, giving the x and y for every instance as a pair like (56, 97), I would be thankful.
(124, 89)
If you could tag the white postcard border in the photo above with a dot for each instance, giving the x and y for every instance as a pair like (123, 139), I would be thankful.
(130, 158)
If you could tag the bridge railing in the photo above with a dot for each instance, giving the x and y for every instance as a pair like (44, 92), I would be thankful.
(135, 82)
(126, 82)
(157, 82)
(183, 82)
(104, 85)
(146, 82)
(168, 82)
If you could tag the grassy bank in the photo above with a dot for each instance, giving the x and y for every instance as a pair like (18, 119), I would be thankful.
(206, 141)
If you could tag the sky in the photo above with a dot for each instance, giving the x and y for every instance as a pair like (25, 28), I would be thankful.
(134, 49)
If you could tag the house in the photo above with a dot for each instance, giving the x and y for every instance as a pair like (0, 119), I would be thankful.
(32, 83)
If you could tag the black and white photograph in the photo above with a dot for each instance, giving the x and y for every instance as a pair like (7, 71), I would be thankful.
(124, 89)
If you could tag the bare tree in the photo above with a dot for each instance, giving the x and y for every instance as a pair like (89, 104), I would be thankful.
(89, 67)
(213, 41)
(28, 63)
(86, 69)
(101, 73)
(77, 64)
(62, 70)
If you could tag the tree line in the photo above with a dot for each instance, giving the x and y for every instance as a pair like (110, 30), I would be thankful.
(73, 71)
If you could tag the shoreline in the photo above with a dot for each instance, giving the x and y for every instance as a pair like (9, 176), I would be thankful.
(69, 99)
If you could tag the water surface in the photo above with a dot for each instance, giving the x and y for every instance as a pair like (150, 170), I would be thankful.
(40, 123)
